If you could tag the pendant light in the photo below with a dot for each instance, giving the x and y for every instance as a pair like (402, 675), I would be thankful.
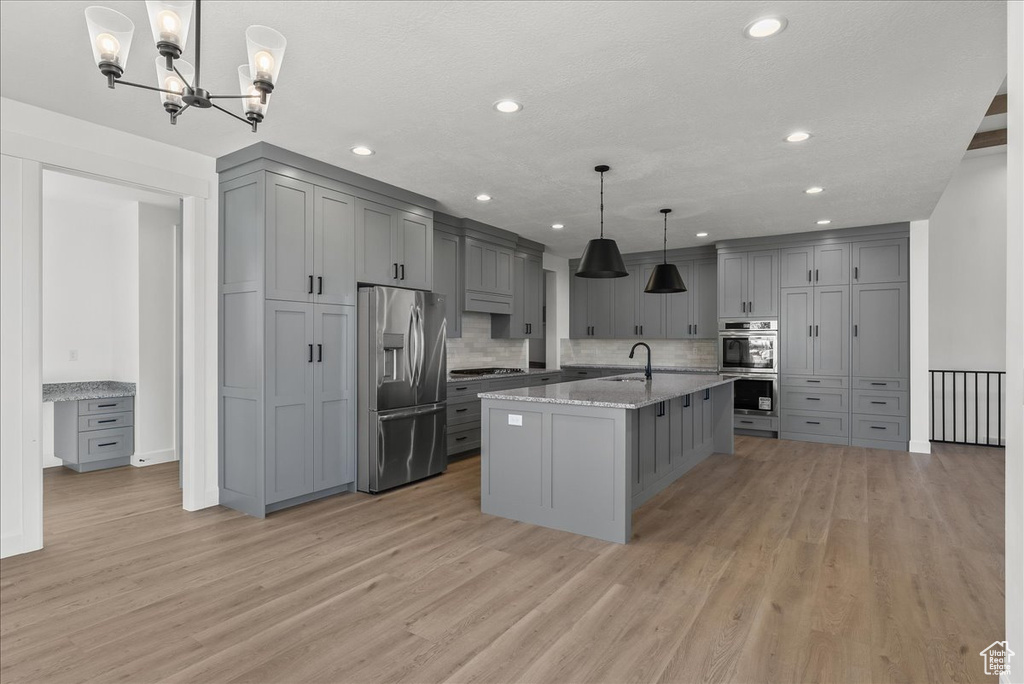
(665, 278)
(601, 258)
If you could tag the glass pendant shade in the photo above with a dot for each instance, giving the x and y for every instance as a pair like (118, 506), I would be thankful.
(170, 22)
(169, 80)
(601, 259)
(266, 51)
(110, 34)
(250, 105)
(665, 279)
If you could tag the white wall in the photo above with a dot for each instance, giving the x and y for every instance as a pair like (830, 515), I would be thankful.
(1014, 313)
(156, 404)
(556, 273)
(967, 271)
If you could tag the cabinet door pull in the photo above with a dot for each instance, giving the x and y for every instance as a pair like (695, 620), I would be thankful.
(815, 275)
(319, 353)
(636, 329)
(395, 276)
(748, 422)
(808, 275)
(694, 328)
(459, 439)
(107, 444)
(461, 410)
(877, 427)
(743, 307)
(813, 398)
(814, 381)
(105, 405)
(319, 285)
(311, 353)
(816, 331)
(812, 422)
(461, 389)
(310, 285)
(854, 329)
(108, 420)
(641, 330)
(707, 394)
(879, 384)
(403, 272)
(856, 272)
(686, 401)
(810, 331)
(883, 403)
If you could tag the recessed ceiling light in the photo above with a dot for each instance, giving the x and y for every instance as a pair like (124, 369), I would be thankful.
(362, 150)
(507, 106)
(702, 234)
(824, 222)
(765, 27)
(483, 198)
(557, 226)
(814, 190)
(797, 136)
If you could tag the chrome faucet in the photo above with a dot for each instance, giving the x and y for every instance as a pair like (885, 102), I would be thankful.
(647, 368)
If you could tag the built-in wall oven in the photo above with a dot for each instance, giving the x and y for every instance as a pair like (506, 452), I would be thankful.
(748, 351)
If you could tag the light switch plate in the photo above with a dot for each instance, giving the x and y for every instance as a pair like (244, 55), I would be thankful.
(515, 419)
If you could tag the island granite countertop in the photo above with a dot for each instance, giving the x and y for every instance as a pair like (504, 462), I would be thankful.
(93, 389)
(632, 393)
(639, 368)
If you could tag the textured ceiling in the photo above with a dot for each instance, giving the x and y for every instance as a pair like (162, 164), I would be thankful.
(688, 112)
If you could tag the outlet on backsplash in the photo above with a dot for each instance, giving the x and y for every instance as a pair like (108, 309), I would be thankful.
(681, 353)
(476, 349)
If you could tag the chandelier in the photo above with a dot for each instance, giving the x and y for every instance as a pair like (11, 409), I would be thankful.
(110, 34)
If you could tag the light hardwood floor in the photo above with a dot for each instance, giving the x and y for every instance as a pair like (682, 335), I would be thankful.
(786, 562)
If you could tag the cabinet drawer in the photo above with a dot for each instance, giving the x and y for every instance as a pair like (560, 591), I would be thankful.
(552, 379)
(881, 403)
(463, 412)
(881, 383)
(464, 439)
(880, 427)
(459, 391)
(105, 421)
(112, 405)
(811, 423)
(812, 382)
(755, 423)
(837, 400)
(100, 445)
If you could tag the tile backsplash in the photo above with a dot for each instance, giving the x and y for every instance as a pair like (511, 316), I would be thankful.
(682, 353)
(476, 349)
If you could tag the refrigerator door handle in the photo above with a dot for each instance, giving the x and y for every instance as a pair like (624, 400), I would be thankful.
(409, 413)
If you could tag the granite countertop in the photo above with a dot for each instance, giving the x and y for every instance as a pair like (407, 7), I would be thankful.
(476, 378)
(93, 389)
(639, 368)
(612, 393)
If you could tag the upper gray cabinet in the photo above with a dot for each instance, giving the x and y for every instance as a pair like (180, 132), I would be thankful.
(393, 247)
(333, 247)
(527, 301)
(881, 331)
(489, 277)
(827, 264)
(796, 333)
(650, 308)
(590, 310)
(694, 314)
(748, 284)
(881, 261)
(448, 264)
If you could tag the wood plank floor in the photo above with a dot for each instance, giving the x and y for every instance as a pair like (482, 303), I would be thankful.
(788, 562)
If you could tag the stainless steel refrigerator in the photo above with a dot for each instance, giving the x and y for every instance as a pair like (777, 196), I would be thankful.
(403, 375)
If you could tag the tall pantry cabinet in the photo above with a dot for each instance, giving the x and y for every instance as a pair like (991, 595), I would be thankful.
(287, 324)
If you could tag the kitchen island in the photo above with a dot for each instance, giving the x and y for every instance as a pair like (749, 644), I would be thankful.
(582, 456)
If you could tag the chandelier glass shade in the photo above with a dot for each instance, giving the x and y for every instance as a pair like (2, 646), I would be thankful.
(178, 82)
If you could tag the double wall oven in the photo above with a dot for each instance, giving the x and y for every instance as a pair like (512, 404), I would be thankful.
(748, 351)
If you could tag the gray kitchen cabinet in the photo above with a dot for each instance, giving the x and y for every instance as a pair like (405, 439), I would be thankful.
(796, 334)
(681, 307)
(490, 282)
(334, 396)
(289, 400)
(624, 304)
(94, 434)
(525, 321)
(881, 261)
(590, 309)
(448, 277)
(393, 247)
(533, 304)
(823, 264)
(796, 266)
(881, 331)
(333, 247)
(650, 308)
(289, 239)
(832, 330)
(748, 284)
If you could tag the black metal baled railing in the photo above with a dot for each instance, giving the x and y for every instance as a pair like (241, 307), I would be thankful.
(967, 407)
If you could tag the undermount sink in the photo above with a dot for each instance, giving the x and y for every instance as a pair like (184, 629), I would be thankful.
(624, 379)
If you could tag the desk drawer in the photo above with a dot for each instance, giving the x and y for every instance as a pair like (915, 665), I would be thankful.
(463, 412)
(88, 407)
(101, 445)
(105, 421)
(836, 400)
(881, 403)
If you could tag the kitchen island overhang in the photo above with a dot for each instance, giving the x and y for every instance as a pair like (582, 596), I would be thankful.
(582, 456)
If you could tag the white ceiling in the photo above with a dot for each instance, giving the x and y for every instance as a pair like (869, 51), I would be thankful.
(689, 113)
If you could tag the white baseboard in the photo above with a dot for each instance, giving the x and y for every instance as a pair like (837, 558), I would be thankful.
(51, 461)
(921, 446)
(15, 544)
(154, 457)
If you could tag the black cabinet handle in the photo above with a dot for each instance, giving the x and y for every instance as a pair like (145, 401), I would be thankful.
(459, 439)
(319, 353)
(403, 272)
(310, 284)
(641, 330)
(879, 384)
(883, 403)
(686, 401)
(460, 389)
(814, 381)
(854, 329)
(813, 398)
(877, 427)
(107, 444)
(808, 275)
(636, 329)
(105, 405)
(108, 420)
(815, 275)
(311, 353)
(812, 422)
(461, 410)
(750, 307)
(694, 328)
(748, 422)
(816, 331)
(810, 331)
(707, 394)
(319, 285)
(856, 272)
(743, 307)
(395, 276)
